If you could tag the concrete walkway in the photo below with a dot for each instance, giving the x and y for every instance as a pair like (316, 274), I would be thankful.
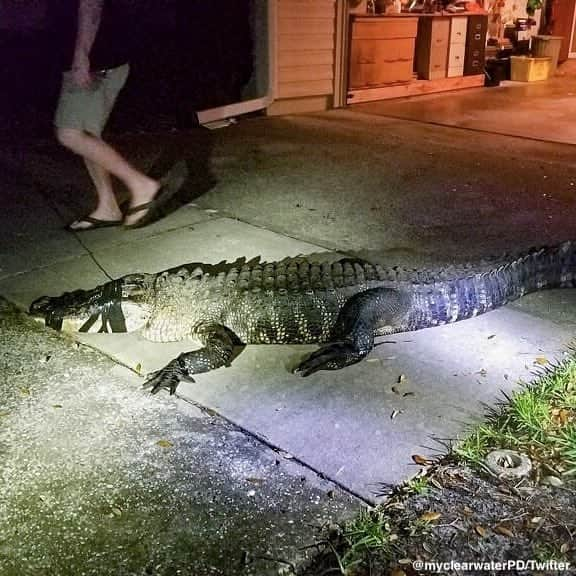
(355, 182)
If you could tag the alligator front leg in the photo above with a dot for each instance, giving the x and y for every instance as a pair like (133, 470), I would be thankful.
(360, 319)
(218, 349)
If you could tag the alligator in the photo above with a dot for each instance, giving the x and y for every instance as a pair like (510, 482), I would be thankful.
(343, 305)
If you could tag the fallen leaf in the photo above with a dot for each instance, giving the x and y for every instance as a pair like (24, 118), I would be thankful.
(435, 482)
(561, 416)
(565, 548)
(541, 360)
(25, 391)
(404, 561)
(552, 481)
(480, 530)
(537, 520)
(421, 460)
(501, 529)
(116, 511)
(254, 480)
(467, 511)
(164, 443)
(430, 516)
(401, 378)
(138, 368)
(56, 405)
(395, 413)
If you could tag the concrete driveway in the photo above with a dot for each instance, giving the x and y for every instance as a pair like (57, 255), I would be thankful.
(354, 181)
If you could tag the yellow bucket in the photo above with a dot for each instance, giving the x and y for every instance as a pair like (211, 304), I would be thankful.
(525, 69)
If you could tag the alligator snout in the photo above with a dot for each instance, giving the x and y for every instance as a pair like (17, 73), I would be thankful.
(41, 306)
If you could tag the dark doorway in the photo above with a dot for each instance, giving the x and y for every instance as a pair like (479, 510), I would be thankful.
(192, 55)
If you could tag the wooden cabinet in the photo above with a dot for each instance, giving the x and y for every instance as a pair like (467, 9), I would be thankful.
(381, 51)
(475, 45)
(432, 47)
(457, 50)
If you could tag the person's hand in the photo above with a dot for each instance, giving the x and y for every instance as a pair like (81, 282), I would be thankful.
(80, 74)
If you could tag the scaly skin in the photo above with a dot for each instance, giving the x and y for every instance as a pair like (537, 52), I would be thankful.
(347, 303)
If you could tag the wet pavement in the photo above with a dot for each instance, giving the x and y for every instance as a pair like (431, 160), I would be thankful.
(355, 181)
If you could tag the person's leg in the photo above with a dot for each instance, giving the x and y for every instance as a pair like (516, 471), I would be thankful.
(79, 120)
(102, 158)
(107, 207)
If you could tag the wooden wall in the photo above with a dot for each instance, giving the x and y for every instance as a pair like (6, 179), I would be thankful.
(305, 44)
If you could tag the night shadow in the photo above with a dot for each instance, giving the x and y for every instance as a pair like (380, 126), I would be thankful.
(195, 149)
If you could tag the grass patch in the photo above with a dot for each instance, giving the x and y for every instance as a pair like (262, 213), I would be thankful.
(538, 420)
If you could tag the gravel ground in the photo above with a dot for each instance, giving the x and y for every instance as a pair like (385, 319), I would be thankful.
(99, 478)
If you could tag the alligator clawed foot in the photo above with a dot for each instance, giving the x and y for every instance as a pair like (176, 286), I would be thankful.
(168, 377)
(332, 357)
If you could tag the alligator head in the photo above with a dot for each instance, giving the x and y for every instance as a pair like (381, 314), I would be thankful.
(117, 306)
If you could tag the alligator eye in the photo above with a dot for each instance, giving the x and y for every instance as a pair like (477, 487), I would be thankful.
(41, 305)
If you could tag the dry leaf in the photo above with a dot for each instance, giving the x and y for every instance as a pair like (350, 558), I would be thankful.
(501, 529)
(25, 391)
(537, 520)
(56, 405)
(430, 516)
(467, 511)
(541, 360)
(421, 460)
(116, 511)
(401, 378)
(395, 413)
(561, 416)
(552, 481)
(164, 443)
(138, 368)
(254, 480)
(565, 548)
(435, 483)
(480, 530)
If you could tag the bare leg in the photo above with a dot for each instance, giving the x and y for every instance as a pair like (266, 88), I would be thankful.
(102, 160)
(107, 205)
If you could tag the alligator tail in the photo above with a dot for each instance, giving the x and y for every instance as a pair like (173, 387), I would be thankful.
(476, 293)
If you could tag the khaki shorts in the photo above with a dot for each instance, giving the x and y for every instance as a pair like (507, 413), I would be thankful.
(88, 109)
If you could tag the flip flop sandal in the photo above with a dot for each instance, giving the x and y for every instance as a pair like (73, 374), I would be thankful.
(94, 223)
(169, 185)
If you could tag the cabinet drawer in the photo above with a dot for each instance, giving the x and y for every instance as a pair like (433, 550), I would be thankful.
(380, 74)
(458, 27)
(373, 51)
(440, 34)
(385, 28)
(455, 71)
(456, 55)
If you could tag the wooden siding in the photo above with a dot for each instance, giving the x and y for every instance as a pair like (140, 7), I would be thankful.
(305, 48)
